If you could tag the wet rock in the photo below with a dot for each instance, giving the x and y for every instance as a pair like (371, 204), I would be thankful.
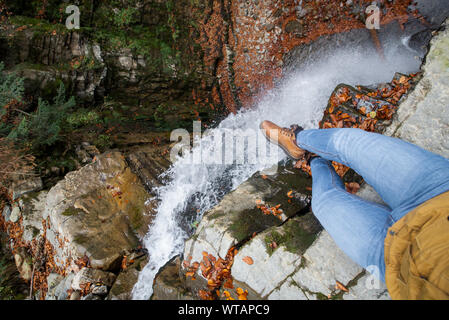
(168, 284)
(124, 284)
(95, 276)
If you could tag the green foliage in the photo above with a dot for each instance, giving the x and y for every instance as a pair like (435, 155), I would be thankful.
(11, 88)
(83, 117)
(103, 142)
(124, 17)
(43, 128)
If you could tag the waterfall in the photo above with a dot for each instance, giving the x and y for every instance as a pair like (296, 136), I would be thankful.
(301, 98)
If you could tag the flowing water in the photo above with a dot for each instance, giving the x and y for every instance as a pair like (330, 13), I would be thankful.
(300, 99)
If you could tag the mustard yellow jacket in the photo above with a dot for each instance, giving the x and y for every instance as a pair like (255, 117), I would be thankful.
(417, 252)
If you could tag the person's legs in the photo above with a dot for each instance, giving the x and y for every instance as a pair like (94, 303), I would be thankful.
(357, 226)
(403, 174)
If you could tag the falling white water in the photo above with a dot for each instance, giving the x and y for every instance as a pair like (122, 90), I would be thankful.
(301, 100)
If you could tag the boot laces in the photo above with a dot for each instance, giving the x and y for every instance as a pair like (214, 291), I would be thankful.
(287, 132)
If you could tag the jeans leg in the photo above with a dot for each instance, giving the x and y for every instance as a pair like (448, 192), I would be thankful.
(403, 174)
(357, 226)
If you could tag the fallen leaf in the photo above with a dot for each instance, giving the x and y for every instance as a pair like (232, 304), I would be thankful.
(228, 284)
(248, 260)
(341, 287)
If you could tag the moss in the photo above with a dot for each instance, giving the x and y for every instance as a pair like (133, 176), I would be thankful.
(38, 25)
(292, 236)
(71, 211)
(81, 239)
(216, 215)
(136, 217)
(246, 222)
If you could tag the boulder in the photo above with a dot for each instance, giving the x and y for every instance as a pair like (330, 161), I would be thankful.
(98, 211)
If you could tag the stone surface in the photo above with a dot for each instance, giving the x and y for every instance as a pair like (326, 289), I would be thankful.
(98, 211)
(32, 205)
(422, 118)
(168, 284)
(15, 214)
(21, 188)
(59, 291)
(122, 288)
(53, 281)
(272, 266)
(325, 264)
(23, 263)
(237, 216)
(367, 288)
(94, 276)
(6, 212)
(124, 284)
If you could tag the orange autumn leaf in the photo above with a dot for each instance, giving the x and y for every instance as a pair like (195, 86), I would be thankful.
(341, 287)
(289, 194)
(352, 187)
(243, 294)
(228, 284)
(248, 260)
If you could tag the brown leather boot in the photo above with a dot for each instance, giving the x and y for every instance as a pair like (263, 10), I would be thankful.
(284, 138)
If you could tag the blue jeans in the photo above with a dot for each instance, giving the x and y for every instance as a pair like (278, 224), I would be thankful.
(403, 174)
